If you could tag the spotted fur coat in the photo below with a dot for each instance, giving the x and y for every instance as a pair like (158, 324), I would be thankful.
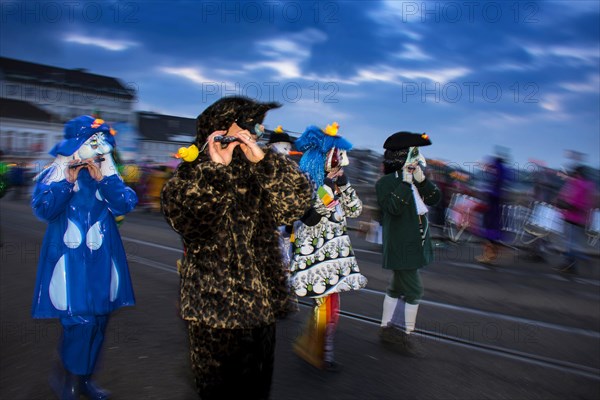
(232, 274)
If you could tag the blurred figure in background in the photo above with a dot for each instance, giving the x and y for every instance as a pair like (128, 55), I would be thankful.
(491, 230)
(441, 178)
(544, 191)
(280, 142)
(323, 262)
(575, 199)
(4, 179)
(3, 183)
(17, 181)
(157, 178)
(403, 195)
(83, 274)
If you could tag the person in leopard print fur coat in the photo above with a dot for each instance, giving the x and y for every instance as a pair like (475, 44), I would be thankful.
(227, 204)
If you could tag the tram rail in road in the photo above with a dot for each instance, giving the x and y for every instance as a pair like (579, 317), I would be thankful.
(521, 356)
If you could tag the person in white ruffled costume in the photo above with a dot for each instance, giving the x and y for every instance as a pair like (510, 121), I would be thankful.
(323, 263)
(83, 274)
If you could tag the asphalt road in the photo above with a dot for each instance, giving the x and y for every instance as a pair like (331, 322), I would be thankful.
(517, 330)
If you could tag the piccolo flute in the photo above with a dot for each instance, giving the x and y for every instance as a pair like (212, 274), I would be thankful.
(82, 162)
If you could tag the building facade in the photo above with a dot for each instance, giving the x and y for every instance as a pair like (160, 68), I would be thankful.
(38, 99)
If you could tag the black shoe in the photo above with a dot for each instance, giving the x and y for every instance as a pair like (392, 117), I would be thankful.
(391, 335)
(89, 389)
(401, 342)
(568, 268)
(332, 366)
(414, 347)
(534, 257)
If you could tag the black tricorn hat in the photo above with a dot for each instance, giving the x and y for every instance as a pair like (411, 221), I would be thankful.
(404, 140)
(278, 137)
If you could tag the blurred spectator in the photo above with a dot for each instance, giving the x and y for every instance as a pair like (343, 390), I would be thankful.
(443, 181)
(544, 191)
(459, 184)
(157, 179)
(543, 185)
(575, 199)
(280, 142)
(16, 177)
(3, 177)
(492, 205)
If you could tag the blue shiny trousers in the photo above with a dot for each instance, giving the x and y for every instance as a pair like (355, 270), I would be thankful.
(81, 342)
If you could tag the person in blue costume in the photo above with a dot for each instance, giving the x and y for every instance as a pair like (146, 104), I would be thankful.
(83, 274)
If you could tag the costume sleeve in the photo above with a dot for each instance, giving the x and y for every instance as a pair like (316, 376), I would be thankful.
(351, 204)
(429, 192)
(317, 210)
(287, 187)
(394, 199)
(311, 217)
(198, 197)
(120, 198)
(49, 201)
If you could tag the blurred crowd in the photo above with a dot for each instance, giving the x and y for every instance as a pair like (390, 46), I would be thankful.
(496, 203)
(542, 210)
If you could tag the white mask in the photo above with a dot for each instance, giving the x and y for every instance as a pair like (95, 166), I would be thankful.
(96, 145)
(336, 158)
(415, 157)
(281, 147)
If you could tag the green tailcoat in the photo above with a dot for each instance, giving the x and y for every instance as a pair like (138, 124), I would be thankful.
(402, 243)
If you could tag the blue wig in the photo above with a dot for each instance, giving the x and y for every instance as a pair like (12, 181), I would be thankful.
(315, 145)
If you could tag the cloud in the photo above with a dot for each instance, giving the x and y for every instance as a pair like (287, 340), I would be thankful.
(399, 11)
(590, 85)
(193, 74)
(413, 52)
(286, 69)
(555, 104)
(285, 55)
(276, 48)
(299, 114)
(389, 22)
(386, 73)
(107, 44)
(588, 55)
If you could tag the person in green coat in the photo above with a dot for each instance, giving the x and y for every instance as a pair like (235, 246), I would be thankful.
(403, 195)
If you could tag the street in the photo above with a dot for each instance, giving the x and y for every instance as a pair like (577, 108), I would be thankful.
(517, 330)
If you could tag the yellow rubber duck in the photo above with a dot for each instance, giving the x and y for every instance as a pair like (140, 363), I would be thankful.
(332, 129)
(279, 129)
(188, 153)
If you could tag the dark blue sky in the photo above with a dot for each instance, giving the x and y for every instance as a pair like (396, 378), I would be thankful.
(473, 74)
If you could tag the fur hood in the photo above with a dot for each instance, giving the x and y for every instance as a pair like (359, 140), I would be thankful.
(221, 114)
